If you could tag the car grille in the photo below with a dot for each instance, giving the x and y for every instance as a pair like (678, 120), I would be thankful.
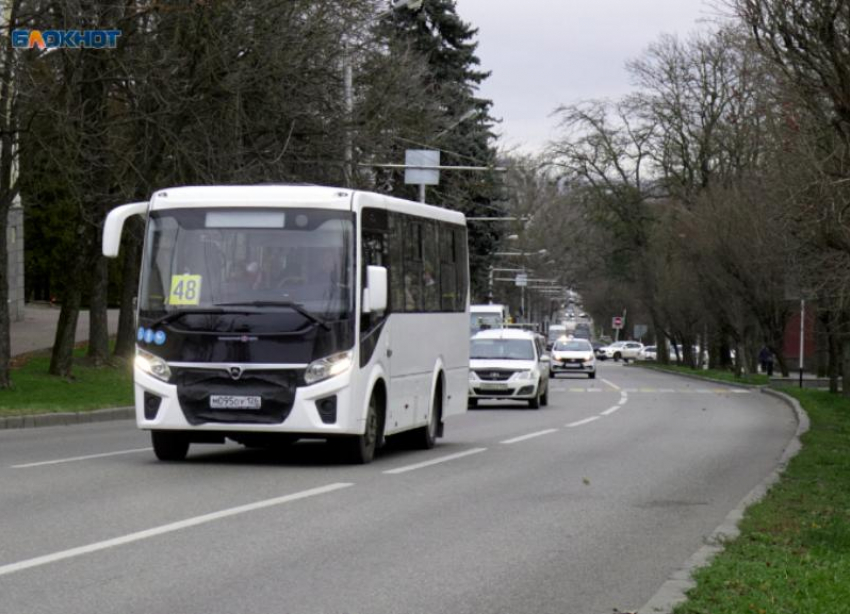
(494, 375)
(276, 387)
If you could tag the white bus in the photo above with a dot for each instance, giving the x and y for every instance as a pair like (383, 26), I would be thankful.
(272, 313)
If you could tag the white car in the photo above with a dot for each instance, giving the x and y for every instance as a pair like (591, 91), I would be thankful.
(508, 364)
(573, 356)
(649, 352)
(621, 350)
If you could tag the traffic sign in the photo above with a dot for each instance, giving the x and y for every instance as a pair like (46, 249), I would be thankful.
(617, 323)
(521, 279)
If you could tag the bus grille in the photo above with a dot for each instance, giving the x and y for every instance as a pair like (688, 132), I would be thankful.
(276, 387)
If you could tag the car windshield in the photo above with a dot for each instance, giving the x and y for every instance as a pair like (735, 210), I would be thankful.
(572, 346)
(223, 259)
(502, 349)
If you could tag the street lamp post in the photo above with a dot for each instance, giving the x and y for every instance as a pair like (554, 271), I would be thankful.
(348, 87)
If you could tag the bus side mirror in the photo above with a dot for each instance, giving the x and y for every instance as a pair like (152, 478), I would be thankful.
(375, 294)
(115, 223)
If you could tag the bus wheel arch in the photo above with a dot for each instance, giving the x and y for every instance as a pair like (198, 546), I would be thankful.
(360, 449)
(425, 437)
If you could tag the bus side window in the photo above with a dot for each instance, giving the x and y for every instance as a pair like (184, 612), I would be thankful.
(413, 266)
(448, 269)
(461, 260)
(430, 268)
(395, 237)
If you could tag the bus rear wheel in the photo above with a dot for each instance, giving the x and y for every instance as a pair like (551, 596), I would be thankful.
(425, 437)
(169, 446)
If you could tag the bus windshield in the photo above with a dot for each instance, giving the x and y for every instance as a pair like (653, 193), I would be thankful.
(209, 259)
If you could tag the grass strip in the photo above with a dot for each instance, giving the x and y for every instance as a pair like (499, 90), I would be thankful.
(34, 391)
(793, 554)
(753, 379)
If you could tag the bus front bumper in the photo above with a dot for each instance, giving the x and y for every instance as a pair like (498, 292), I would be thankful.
(321, 410)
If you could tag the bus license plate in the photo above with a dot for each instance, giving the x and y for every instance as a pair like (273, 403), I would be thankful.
(226, 401)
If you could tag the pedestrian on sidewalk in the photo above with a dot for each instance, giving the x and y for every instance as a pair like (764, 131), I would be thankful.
(766, 360)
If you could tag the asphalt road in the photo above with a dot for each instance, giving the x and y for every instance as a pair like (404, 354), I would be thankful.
(582, 507)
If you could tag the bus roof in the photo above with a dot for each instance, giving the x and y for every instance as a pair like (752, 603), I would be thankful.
(277, 195)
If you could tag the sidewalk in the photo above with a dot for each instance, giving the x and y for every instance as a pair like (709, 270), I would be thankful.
(37, 330)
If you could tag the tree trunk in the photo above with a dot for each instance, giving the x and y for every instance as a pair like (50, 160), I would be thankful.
(62, 358)
(845, 365)
(8, 187)
(98, 350)
(125, 342)
(5, 341)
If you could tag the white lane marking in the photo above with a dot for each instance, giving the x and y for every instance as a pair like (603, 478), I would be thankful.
(529, 436)
(442, 459)
(611, 410)
(737, 391)
(167, 528)
(75, 459)
(581, 422)
(667, 390)
(613, 385)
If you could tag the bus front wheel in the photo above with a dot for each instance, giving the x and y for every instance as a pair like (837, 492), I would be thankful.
(169, 446)
(360, 449)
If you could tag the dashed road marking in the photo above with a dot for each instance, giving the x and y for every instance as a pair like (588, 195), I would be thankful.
(582, 422)
(613, 385)
(167, 528)
(529, 436)
(436, 461)
(75, 459)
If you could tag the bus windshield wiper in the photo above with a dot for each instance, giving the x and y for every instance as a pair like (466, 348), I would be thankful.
(179, 313)
(289, 304)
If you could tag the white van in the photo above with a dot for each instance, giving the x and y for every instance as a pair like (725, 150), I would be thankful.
(483, 317)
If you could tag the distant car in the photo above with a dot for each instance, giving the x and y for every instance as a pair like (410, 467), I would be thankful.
(620, 350)
(508, 364)
(649, 352)
(573, 356)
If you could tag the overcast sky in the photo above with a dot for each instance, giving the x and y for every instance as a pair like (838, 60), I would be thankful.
(544, 53)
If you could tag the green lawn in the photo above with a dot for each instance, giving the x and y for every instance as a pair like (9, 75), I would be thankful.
(793, 554)
(36, 392)
(755, 379)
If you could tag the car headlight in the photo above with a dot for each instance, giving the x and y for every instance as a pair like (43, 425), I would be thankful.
(152, 365)
(473, 376)
(523, 375)
(333, 365)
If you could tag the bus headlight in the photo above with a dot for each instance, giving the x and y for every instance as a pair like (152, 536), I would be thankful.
(331, 366)
(153, 365)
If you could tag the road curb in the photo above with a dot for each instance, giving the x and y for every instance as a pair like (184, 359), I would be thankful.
(673, 591)
(67, 418)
